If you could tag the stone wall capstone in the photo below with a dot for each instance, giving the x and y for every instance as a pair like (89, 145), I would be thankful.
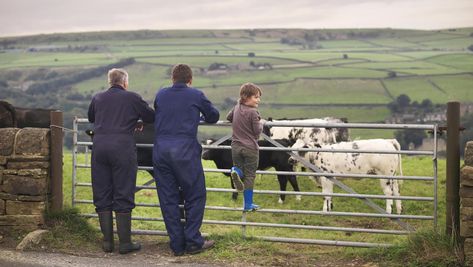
(24, 177)
(466, 200)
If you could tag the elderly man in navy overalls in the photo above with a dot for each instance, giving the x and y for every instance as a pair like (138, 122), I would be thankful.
(177, 160)
(115, 113)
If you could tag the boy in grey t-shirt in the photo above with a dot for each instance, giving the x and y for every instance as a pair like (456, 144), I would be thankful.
(247, 126)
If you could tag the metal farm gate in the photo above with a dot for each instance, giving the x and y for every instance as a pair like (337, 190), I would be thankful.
(402, 222)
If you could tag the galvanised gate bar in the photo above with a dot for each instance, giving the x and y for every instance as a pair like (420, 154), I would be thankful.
(350, 193)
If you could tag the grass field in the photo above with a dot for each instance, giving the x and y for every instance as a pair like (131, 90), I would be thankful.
(412, 166)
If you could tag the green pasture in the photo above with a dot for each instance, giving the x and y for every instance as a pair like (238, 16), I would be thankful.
(456, 43)
(154, 50)
(46, 59)
(428, 36)
(183, 39)
(377, 56)
(414, 166)
(353, 114)
(408, 67)
(393, 43)
(449, 87)
(425, 54)
(417, 89)
(145, 79)
(206, 60)
(460, 62)
(457, 87)
(260, 46)
(349, 44)
(285, 75)
(311, 91)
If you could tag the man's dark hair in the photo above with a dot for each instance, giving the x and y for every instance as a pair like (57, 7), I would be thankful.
(181, 73)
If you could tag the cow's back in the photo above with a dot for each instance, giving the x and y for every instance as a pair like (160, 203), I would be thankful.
(27, 117)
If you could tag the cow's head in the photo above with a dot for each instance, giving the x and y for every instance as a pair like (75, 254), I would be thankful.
(301, 144)
(304, 154)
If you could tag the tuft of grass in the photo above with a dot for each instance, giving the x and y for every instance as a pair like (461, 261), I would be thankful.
(68, 230)
(425, 248)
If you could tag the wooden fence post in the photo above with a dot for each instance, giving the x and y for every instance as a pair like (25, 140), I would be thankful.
(56, 161)
(453, 170)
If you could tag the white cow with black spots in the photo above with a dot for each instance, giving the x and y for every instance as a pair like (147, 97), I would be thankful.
(357, 163)
(316, 135)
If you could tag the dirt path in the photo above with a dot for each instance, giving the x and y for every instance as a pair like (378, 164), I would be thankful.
(9, 257)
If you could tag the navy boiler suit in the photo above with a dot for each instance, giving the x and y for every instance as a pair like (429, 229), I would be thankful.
(115, 113)
(177, 161)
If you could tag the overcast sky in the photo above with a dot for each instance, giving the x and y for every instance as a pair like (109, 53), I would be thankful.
(21, 17)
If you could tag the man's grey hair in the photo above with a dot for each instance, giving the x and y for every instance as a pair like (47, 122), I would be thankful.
(117, 76)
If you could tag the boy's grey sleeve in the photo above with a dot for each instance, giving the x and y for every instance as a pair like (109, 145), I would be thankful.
(257, 125)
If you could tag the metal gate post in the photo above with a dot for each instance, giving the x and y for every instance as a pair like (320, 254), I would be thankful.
(453, 170)
(74, 161)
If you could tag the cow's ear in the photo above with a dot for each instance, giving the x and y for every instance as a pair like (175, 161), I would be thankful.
(317, 145)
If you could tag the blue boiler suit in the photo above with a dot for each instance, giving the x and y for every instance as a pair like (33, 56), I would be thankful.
(114, 114)
(177, 161)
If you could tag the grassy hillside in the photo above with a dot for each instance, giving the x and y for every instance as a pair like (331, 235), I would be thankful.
(352, 69)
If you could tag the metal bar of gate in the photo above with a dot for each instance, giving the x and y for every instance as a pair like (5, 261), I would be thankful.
(301, 193)
(276, 225)
(340, 175)
(305, 212)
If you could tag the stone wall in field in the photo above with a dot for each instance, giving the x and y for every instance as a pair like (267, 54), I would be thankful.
(466, 197)
(24, 177)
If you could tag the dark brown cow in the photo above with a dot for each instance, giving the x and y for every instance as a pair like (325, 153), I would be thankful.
(33, 117)
(267, 159)
(7, 115)
(11, 116)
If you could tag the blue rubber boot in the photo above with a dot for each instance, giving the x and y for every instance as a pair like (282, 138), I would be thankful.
(248, 201)
(237, 175)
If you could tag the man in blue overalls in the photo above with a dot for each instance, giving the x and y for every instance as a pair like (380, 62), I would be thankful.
(177, 159)
(115, 113)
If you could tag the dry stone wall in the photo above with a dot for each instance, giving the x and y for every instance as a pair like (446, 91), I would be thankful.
(24, 177)
(466, 200)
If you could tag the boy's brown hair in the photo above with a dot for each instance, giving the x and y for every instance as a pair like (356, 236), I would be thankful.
(181, 73)
(247, 90)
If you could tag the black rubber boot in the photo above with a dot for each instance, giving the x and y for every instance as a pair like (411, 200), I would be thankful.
(106, 226)
(124, 233)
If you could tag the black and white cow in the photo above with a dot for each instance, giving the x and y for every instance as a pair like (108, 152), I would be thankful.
(316, 135)
(358, 163)
(267, 159)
